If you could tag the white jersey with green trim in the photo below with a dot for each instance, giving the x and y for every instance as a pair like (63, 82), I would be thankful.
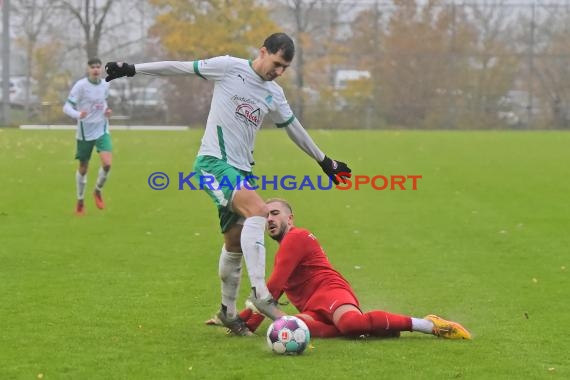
(240, 102)
(92, 98)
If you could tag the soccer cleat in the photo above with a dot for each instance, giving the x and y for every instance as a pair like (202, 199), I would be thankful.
(235, 325)
(447, 329)
(214, 321)
(99, 200)
(80, 208)
(266, 306)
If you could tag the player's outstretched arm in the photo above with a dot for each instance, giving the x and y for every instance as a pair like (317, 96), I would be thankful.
(119, 69)
(337, 170)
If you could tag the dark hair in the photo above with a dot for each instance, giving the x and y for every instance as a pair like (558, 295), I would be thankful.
(280, 42)
(94, 61)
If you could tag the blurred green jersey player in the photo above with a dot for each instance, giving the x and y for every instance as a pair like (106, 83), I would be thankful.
(87, 103)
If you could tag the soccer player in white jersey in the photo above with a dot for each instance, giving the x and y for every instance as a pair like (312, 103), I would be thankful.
(244, 93)
(87, 103)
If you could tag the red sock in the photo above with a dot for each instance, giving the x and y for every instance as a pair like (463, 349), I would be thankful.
(252, 320)
(387, 324)
(245, 314)
(320, 329)
(353, 323)
(377, 323)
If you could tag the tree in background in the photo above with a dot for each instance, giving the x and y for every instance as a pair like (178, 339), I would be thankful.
(317, 26)
(432, 64)
(107, 26)
(52, 82)
(41, 35)
(435, 64)
(553, 74)
(492, 67)
(202, 29)
(416, 78)
(300, 13)
(91, 18)
(358, 105)
(36, 17)
(552, 67)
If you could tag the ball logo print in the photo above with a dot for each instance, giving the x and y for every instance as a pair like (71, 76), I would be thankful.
(288, 335)
(285, 335)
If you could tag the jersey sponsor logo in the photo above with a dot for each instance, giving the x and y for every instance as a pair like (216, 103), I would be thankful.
(332, 304)
(249, 115)
(240, 99)
(97, 107)
(240, 77)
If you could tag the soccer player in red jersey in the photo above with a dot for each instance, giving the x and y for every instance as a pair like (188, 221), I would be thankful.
(324, 298)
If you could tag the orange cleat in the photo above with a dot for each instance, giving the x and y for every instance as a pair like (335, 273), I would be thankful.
(447, 329)
(80, 208)
(99, 200)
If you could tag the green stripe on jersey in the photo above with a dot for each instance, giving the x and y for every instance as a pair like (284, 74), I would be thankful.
(71, 102)
(221, 143)
(197, 71)
(82, 131)
(281, 125)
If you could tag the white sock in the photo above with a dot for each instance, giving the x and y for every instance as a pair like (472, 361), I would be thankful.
(81, 182)
(253, 246)
(101, 179)
(230, 274)
(422, 325)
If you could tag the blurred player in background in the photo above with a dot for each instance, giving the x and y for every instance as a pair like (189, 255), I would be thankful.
(87, 103)
(324, 298)
(244, 93)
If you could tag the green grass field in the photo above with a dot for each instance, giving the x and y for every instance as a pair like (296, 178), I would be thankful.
(123, 293)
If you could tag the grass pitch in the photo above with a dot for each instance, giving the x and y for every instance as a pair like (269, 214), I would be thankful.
(123, 293)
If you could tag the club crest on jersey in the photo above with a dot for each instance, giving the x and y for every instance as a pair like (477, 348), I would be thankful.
(97, 107)
(248, 114)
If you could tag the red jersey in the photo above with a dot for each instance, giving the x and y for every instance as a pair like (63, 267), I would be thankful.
(301, 268)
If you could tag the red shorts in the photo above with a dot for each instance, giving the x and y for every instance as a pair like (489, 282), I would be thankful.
(323, 303)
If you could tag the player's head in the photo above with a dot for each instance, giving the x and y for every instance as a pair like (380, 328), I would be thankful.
(94, 68)
(280, 43)
(279, 219)
(275, 56)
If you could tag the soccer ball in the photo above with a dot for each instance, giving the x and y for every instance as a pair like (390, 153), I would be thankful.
(288, 335)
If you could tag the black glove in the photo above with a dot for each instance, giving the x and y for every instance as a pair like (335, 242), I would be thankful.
(119, 69)
(336, 170)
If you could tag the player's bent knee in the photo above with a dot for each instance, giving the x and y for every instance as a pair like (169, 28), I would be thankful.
(232, 238)
(352, 324)
(248, 203)
(259, 209)
(230, 274)
(234, 247)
